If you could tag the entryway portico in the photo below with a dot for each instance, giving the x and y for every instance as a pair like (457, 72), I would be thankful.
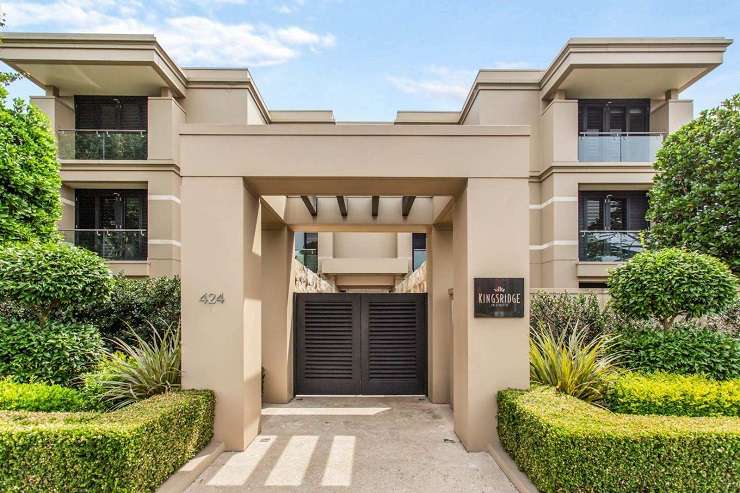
(241, 189)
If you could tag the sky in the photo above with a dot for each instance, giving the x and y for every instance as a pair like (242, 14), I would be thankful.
(367, 59)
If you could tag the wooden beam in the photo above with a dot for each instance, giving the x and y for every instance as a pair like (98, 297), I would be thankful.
(311, 204)
(342, 205)
(376, 205)
(406, 204)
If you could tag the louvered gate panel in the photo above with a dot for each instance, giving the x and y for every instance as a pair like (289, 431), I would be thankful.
(394, 343)
(328, 344)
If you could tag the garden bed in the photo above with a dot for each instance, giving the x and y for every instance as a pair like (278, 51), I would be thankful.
(564, 444)
(133, 449)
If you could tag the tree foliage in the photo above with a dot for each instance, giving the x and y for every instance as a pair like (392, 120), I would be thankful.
(665, 284)
(695, 199)
(29, 173)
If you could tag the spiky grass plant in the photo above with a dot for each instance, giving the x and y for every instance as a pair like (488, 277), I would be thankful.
(572, 362)
(147, 368)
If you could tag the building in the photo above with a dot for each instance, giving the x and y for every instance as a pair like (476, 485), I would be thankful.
(538, 181)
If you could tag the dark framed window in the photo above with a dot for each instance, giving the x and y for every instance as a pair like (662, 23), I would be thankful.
(418, 249)
(610, 224)
(613, 115)
(111, 112)
(307, 250)
(112, 223)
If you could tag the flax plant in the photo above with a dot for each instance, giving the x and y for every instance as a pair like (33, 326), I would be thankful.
(147, 368)
(571, 362)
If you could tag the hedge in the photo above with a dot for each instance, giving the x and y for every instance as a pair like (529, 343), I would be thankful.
(40, 397)
(133, 449)
(673, 395)
(564, 444)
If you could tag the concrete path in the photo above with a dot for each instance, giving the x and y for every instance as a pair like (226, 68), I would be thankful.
(373, 444)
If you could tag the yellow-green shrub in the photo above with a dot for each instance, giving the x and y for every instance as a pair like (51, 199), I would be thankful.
(673, 395)
(133, 449)
(566, 445)
(40, 397)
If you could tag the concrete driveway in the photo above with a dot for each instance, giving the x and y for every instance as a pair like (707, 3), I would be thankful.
(374, 444)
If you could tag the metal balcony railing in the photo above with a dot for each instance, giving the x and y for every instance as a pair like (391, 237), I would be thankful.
(308, 257)
(619, 146)
(102, 144)
(111, 244)
(608, 246)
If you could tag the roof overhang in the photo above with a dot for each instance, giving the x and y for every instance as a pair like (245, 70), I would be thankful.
(630, 67)
(122, 64)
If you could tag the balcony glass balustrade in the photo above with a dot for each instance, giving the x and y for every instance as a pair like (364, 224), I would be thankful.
(618, 146)
(111, 244)
(609, 246)
(102, 144)
(308, 257)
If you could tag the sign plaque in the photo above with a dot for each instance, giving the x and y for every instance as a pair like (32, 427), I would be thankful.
(499, 297)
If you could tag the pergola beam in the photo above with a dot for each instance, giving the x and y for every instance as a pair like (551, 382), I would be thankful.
(311, 204)
(342, 205)
(376, 205)
(406, 204)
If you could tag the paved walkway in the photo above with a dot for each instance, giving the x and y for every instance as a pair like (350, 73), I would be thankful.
(373, 444)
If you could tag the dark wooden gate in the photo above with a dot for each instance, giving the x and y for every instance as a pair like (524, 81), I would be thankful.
(360, 343)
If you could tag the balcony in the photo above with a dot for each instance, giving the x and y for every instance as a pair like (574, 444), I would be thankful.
(308, 257)
(102, 144)
(111, 244)
(608, 246)
(619, 146)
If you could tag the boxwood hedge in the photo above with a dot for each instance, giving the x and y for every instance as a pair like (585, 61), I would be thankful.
(564, 444)
(133, 449)
(40, 397)
(673, 395)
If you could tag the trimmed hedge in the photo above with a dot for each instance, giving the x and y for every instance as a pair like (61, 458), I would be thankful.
(134, 449)
(40, 397)
(53, 352)
(564, 444)
(686, 349)
(673, 395)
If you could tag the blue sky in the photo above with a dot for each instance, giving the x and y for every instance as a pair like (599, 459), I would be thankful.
(367, 59)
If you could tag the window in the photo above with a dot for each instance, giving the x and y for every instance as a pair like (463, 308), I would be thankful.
(610, 224)
(112, 223)
(307, 250)
(617, 115)
(111, 112)
(418, 249)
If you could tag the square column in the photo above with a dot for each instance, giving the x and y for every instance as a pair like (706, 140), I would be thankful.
(490, 239)
(221, 302)
(439, 322)
(277, 313)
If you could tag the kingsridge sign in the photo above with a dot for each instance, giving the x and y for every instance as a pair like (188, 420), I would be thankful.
(499, 297)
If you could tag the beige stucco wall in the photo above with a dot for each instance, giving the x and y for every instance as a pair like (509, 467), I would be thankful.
(364, 245)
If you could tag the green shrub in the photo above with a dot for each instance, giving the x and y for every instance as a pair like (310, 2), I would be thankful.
(92, 382)
(561, 311)
(566, 445)
(43, 277)
(666, 284)
(50, 353)
(29, 173)
(143, 370)
(685, 349)
(133, 305)
(134, 449)
(40, 397)
(570, 363)
(673, 395)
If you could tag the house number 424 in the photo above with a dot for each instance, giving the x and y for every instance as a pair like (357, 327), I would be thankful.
(212, 298)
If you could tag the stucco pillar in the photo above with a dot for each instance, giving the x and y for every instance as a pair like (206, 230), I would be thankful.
(439, 282)
(490, 354)
(404, 248)
(221, 338)
(163, 224)
(277, 314)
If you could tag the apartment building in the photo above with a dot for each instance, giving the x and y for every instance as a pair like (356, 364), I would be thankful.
(538, 181)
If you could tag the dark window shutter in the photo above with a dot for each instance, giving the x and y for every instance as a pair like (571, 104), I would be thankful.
(637, 208)
(592, 216)
(617, 119)
(111, 112)
(637, 121)
(419, 241)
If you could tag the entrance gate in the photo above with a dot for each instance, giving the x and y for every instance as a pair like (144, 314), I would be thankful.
(360, 343)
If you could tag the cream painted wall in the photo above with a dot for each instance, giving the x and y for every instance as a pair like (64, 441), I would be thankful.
(364, 245)
(219, 106)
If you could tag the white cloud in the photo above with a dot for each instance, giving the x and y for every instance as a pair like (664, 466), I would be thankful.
(283, 9)
(191, 40)
(436, 82)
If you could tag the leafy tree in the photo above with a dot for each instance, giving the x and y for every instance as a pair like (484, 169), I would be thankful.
(695, 199)
(665, 284)
(42, 277)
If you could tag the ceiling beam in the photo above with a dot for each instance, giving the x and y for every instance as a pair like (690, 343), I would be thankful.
(342, 205)
(311, 204)
(376, 205)
(406, 204)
